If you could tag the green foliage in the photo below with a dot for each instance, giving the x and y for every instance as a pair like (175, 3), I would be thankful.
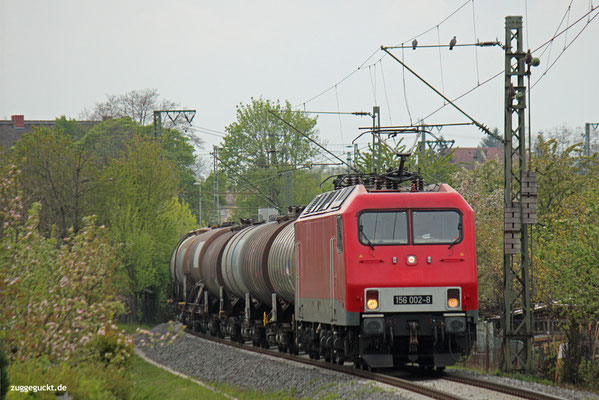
(4, 382)
(58, 172)
(435, 167)
(263, 157)
(108, 139)
(58, 300)
(482, 188)
(84, 379)
(385, 158)
(490, 141)
(138, 201)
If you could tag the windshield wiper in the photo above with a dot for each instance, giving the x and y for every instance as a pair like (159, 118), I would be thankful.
(459, 236)
(361, 230)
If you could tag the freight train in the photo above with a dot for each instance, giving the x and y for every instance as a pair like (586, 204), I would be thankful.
(375, 273)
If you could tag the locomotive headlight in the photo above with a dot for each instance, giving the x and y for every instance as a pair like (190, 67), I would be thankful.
(411, 260)
(372, 304)
(372, 299)
(453, 298)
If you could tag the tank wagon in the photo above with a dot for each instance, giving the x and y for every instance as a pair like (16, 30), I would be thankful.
(375, 275)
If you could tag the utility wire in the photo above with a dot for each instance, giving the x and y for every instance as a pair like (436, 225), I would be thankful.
(339, 113)
(338, 83)
(309, 138)
(240, 179)
(372, 55)
(440, 60)
(386, 96)
(476, 40)
(556, 30)
(446, 18)
(555, 36)
(564, 50)
(478, 124)
(405, 92)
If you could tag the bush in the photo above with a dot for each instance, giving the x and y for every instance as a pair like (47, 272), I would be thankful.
(84, 380)
(3, 374)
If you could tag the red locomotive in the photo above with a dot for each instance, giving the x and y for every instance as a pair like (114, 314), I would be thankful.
(370, 273)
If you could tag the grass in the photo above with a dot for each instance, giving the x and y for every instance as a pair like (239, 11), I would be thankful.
(150, 382)
(130, 327)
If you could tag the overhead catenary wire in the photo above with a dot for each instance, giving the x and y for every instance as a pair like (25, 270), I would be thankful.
(240, 179)
(440, 60)
(478, 124)
(339, 114)
(309, 138)
(499, 73)
(386, 95)
(405, 91)
(563, 51)
(476, 40)
(444, 20)
(338, 83)
(376, 51)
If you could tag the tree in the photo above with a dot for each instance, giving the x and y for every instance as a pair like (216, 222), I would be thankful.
(386, 157)
(59, 302)
(490, 141)
(263, 156)
(138, 202)
(482, 188)
(139, 105)
(58, 172)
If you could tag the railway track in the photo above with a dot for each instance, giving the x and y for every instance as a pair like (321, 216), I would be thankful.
(390, 379)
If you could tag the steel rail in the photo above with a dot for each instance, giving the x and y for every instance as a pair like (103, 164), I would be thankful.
(382, 378)
(390, 379)
(500, 387)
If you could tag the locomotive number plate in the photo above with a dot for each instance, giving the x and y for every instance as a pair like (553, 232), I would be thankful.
(413, 299)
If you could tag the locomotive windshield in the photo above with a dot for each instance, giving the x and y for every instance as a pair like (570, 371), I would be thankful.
(391, 227)
(438, 227)
(383, 227)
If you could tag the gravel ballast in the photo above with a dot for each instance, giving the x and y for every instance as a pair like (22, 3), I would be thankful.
(211, 362)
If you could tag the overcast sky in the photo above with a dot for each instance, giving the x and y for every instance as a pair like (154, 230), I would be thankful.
(60, 57)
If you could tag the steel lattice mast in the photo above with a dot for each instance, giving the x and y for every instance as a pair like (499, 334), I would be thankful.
(520, 206)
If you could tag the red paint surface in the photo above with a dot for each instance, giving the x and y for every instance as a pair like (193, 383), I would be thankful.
(359, 267)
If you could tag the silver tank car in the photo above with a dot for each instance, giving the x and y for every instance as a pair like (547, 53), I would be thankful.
(177, 259)
(231, 265)
(281, 263)
(254, 260)
(210, 263)
(184, 261)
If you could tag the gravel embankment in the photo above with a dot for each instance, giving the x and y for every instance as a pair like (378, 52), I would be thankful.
(537, 387)
(213, 362)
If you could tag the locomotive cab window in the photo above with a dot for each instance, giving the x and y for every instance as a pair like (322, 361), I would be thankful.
(436, 227)
(383, 227)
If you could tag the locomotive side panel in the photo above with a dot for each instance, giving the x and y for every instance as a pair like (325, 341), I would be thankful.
(321, 284)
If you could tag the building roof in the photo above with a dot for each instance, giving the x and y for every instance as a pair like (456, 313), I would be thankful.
(470, 155)
(13, 129)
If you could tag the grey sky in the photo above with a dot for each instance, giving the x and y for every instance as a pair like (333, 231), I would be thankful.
(59, 57)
